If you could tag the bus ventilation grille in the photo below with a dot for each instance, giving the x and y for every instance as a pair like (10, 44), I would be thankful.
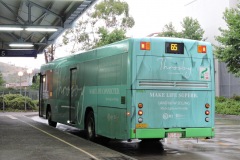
(174, 84)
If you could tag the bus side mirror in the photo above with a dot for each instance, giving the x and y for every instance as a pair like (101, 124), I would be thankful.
(34, 79)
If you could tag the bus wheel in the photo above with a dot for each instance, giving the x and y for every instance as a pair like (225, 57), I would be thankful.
(90, 126)
(49, 117)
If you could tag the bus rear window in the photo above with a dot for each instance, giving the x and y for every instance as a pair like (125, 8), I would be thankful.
(174, 48)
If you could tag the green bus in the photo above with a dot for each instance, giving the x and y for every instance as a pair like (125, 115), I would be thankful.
(138, 88)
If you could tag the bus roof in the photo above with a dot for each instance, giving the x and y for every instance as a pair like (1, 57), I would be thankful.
(116, 48)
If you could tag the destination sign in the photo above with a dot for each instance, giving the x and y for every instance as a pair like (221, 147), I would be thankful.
(174, 48)
(18, 53)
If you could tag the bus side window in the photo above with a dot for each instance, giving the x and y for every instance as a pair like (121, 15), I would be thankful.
(44, 87)
(47, 86)
(49, 83)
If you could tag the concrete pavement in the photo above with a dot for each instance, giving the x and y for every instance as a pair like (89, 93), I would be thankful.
(22, 138)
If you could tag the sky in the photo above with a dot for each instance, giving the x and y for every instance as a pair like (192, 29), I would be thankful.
(150, 17)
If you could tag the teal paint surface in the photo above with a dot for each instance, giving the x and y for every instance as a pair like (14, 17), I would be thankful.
(174, 109)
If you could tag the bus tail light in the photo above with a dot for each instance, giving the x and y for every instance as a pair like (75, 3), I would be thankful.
(207, 112)
(202, 49)
(145, 45)
(140, 112)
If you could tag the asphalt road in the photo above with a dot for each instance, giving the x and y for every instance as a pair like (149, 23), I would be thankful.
(225, 145)
(29, 137)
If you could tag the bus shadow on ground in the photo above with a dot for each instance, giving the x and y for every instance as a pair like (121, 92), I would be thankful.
(135, 147)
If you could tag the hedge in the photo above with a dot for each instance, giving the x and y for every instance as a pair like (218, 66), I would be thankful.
(229, 106)
(17, 102)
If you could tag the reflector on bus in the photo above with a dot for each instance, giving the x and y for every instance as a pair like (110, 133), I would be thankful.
(202, 49)
(207, 105)
(145, 45)
(140, 105)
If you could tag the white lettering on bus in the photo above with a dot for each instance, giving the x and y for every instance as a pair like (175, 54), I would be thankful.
(173, 95)
(187, 95)
(173, 108)
(111, 117)
(155, 94)
(112, 99)
(105, 91)
(160, 94)
(66, 90)
(181, 67)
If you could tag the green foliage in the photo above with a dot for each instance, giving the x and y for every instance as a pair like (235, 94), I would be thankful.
(107, 23)
(191, 30)
(115, 13)
(236, 97)
(169, 31)
(2, 82)
(35, 85)
(221, 99)
(228, 50)
(228, 105)
(17, 102)
(107, 38)
(36, 103)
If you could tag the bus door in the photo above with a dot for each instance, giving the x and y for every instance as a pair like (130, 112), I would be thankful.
(41, 104)
(72, 97)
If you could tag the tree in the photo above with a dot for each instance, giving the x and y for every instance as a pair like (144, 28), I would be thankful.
(49, 53)
(35, 85)
(191, 29)
(107, 38)
(228, 50)
(107, 23)
(2, 82)
(169, 31)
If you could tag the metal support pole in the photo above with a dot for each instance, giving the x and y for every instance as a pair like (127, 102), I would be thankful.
(3, 101)
(25, 100)
(20, 86)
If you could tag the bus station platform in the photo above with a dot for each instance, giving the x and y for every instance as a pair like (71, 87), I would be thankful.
(23, 138)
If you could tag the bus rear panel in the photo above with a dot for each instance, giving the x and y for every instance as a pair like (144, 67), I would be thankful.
(172, 88)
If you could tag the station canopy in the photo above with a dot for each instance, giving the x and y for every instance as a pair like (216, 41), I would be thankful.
(27, 27)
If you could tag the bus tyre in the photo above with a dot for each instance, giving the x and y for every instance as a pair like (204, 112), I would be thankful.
(49, 116)
(90, 126)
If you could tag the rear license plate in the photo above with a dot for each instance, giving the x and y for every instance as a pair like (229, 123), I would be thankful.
(141, 125)
(174, 135)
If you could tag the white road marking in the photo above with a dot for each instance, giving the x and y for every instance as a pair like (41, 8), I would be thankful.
(10, 116)
(79, 149)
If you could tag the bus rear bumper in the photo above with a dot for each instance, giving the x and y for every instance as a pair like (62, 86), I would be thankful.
(164, 133)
